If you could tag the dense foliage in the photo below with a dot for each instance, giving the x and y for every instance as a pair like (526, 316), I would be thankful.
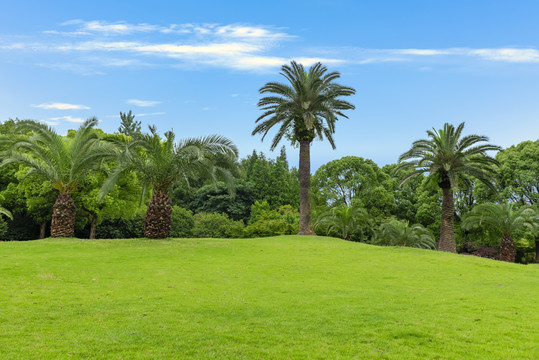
(112, 181)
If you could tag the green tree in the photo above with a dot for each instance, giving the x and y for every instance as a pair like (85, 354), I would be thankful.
(129, 126)
(306, 108)
(504, 219)
(519, 172)
(401, 233)
(4, 211)
(123, 201)
(343, 219)
(217, 198)
(449, 158)
(39, 197)
(406, 197)
(162, 163)
(63, 161)
(272, 180)
(353, 179)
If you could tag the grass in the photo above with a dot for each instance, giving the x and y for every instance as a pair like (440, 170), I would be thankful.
(285, 297)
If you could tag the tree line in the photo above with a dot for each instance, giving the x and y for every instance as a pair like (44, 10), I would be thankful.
(88, 177)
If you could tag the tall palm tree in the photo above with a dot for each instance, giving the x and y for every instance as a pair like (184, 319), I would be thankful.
(504, 219)
(449, 158)
(64, 161)
(162, 163)
(305, 109)
(343, 219)
(401, 233)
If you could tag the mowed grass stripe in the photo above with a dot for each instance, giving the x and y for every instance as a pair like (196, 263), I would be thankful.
(282, 297)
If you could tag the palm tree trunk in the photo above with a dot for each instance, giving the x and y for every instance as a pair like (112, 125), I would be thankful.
(508, 249)
(447, 227)
(158, 216)
(63, 216)
(305, 211)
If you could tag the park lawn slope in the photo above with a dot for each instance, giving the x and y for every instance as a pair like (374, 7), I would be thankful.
(289, 297)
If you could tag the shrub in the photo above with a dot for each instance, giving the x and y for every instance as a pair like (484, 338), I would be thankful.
(401, 233)
(525, 250)
(488, 252)
(267, 222)
(182, 222)
(3, 228)
(121, 228)
(216, 225)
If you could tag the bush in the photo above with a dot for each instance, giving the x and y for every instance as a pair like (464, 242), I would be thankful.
(487, 252)
(3, 228)
(401, 233)
(121, 228)
(182, 223)
(273, 227)
(267, 222)
(525, 251)
(216, 225)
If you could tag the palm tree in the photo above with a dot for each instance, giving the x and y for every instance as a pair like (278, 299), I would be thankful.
(305, 109)
(449, 158)
(504, 219)
(343, 219)
(400, 233)
(160, 164)
(64, 161)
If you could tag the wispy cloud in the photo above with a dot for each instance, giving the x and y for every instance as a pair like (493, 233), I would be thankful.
(122, 28)
(96, 45)
(61, 106)
(508, 55)
(67, 118)
(150, 114)
(143, 103)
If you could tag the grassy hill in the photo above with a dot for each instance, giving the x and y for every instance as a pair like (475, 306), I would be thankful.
(285, 297)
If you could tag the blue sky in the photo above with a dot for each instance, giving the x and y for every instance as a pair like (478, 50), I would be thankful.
(196, 66)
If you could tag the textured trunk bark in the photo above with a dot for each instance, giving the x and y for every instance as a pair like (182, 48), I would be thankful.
(447, 227)
(158, 216)
(305, 211)
(42, 230)
(93, 226)
(63, 216)
(508, 250)
(537, 251)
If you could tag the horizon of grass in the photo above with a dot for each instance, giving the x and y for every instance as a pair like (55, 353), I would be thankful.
(287, 297)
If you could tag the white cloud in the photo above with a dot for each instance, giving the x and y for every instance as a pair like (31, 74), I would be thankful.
(421, 52)
(61, 106)
(150, 114)
(311, 61)
(233, 46)
(67, 118)
(143, 103)
(508, 55)
(50, 123)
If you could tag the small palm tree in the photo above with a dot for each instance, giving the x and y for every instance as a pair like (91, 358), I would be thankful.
(343, 219)
(64, 161)
(400, 233)
(504, 219)
(306, 108)
(162, 163)
(449, 158)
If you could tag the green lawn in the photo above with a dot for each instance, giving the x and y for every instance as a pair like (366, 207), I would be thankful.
(285, 297)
